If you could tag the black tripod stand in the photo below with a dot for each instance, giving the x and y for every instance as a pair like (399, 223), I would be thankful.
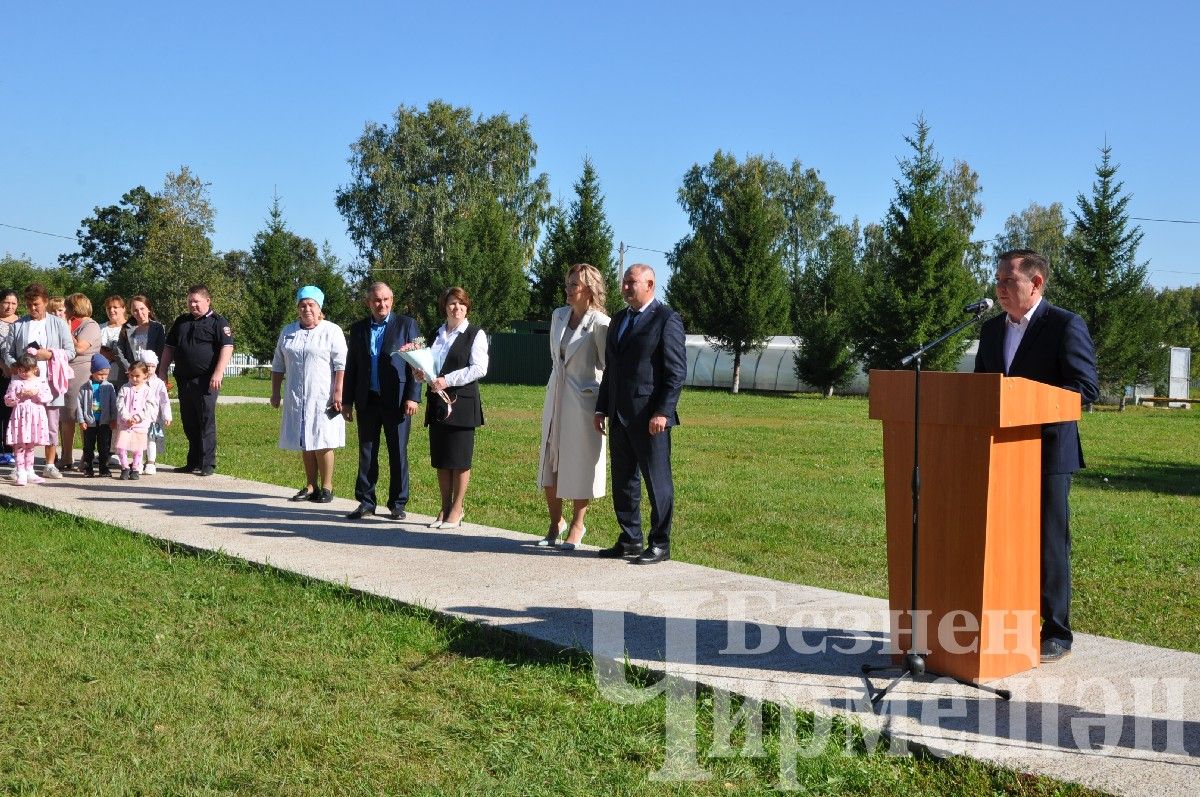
(913, 664)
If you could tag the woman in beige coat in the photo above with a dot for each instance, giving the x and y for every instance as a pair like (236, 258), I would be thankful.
(571, 460)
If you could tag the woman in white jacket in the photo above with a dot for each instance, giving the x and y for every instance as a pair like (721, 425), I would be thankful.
(311, 356)
(571, 461)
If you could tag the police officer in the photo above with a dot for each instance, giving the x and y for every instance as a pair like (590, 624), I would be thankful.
(200, 343)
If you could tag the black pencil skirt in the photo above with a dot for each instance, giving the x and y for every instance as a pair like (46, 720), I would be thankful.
(451, 447)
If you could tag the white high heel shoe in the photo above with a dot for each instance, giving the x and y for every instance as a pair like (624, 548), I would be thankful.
(551, 536)
(570, 546)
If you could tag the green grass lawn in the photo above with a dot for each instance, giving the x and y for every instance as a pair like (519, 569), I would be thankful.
(791, 488)
(130, 668)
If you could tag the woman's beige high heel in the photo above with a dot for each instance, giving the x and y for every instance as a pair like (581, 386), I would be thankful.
(552, 535)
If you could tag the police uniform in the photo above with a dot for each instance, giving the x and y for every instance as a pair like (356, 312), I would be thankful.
(197, 344)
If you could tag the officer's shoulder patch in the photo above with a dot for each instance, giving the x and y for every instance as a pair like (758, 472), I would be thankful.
(228, 332)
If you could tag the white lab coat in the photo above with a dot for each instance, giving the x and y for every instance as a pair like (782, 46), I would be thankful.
(308, 359)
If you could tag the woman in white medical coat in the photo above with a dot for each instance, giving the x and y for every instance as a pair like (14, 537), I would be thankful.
(310, 357)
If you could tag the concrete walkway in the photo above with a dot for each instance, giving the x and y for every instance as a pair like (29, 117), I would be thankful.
(1116, 716)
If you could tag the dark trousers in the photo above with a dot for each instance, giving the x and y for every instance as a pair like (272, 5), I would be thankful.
(374, 418)
(1056, 558)
(5, 414)
(635, 455)
(97, 440)
(198, 411)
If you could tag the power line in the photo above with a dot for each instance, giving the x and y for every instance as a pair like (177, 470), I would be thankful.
(1168, 221)
(39, 232)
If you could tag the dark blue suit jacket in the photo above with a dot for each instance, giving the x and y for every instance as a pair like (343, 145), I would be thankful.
(1056, 350)
(396, 382)
(644, 373)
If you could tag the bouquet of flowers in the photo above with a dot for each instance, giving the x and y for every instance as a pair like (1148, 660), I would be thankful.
(421, 358)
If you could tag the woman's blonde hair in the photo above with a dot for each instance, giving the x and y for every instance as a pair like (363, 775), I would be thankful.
(590, 278)
(78, 306)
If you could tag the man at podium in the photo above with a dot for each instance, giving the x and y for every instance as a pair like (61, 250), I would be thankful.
(1036, 340)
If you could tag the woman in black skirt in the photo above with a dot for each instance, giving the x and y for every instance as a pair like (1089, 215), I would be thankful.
(462, 350)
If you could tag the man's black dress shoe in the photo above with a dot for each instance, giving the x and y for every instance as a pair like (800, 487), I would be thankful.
(207, 470)
(619, 551)
(397, 514)
(362, 510)
(1053, 651)
(653, 554)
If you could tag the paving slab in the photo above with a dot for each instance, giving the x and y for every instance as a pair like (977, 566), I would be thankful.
(1116, 716)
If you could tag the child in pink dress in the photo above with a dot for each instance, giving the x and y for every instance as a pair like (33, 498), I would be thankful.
(27, 394)
(137, 408)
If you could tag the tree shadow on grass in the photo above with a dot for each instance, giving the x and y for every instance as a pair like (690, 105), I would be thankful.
(1139, 474)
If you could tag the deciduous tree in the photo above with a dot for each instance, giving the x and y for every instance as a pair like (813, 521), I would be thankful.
(1042, 228)
(413, 183)
(731, 271)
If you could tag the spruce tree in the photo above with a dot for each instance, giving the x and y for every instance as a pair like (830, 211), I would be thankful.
(590, 236)
(483, 256)
(548, 277)
(916, 284)
(580, 235)
(271, 280)
(830, 289)
(1103, 282)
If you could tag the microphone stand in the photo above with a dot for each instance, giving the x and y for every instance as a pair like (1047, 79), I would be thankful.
(913, 664)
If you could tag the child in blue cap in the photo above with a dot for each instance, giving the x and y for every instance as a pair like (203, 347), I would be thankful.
(97, 413)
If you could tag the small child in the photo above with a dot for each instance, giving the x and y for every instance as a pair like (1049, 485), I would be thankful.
(28, 427)
(156, 438)
(137, 407)
(97, 413)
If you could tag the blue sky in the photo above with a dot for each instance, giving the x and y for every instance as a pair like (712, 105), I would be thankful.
(259, 97)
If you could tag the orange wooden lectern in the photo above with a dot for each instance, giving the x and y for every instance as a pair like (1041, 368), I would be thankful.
(978, 544)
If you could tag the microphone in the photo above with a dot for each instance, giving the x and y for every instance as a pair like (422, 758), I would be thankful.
(981, 306)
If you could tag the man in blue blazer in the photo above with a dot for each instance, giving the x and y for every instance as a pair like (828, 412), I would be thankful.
(381, 388)
(645, 368)
(1038, 341)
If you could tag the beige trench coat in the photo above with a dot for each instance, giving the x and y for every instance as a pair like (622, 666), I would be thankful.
(570, 442)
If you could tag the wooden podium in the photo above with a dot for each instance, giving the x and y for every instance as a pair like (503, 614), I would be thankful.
(979, 532)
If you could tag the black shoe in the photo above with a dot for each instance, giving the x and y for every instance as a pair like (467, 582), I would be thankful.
(207, 470)
(620, 551)
(134, 475)
(321, 496)
(362, 510)
(305, 494)
(106, 472)
(397, 514)
(1053, 650)
(653, 555)
(88, 472)
(125, 475)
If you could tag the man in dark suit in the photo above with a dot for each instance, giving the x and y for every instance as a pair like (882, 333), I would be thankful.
(381, 388)
(1038, 341)
(645, 368)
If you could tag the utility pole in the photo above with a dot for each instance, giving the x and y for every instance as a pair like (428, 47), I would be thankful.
(621, 250)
